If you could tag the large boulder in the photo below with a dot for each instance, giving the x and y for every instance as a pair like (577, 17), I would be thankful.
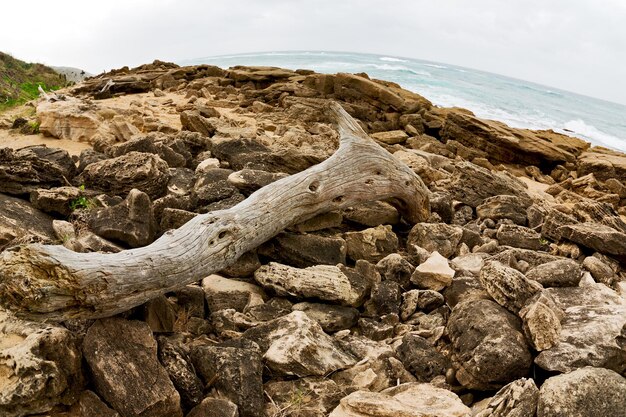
(584, 392)
(70, 119)
(125, 370)
(495, 352)
(40, 367)
(144, 171)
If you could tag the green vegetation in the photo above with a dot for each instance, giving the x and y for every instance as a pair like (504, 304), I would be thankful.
(20, 81)
(81, 202)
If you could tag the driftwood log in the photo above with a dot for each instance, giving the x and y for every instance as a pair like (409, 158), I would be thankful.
(50, 282)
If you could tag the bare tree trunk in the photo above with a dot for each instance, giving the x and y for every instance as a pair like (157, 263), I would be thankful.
(52, 282)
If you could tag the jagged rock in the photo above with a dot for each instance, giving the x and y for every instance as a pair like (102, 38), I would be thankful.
(421, 358)
(324, 282)
(311, 397)
(132, 221)
(223, 293)
(583, 392)
(122, 358)
(391, 137)
(517, 399)
(408, 304)
(514, 256)
(434, 274)
(235, 370)
(591, 331)
(332, 318)
(494, 353)
(469, 264)
(406, 400)
(507, 286)
(178, 365)
(18, 219)
(472, 185)
(542, 321)
(395, 268)
(244, 266)
(552, 223)
(26, 169)
(63, 230)
(90, 242)
(40, 367)
(143, 171)
(603, 163)
(68, 119)
(504, 207)
(248, 181)
(599, 237)
(375, 330)
(371, 244)
(562, 273)
(600, 271)
(439, 237)
(372, 214)
(214, 407)
(194, 122)
(429, 300)
(375, 374)
(305, 250)
(519, 237)
(420, 163)
(464, 289)
(209, 164)
(385, 298)
(297, 345)
(89, 156)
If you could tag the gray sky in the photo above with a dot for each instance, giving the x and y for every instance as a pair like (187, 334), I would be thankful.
(576, 45)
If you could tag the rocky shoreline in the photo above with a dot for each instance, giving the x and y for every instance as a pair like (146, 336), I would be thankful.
(510, 300)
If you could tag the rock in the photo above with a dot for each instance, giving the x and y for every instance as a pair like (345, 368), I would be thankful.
(208, 164)
(372, 244)
(332, 318)
(472, 184)
(434, 274)
(507, 286)
(583, 392)
(519, 237)
(143, 171)
(89, 404)
(395, 268)
(384, 299)
(244, 266)
(599, 237)
(421, 358)
(172, 218)
(429, 300)
(320, 222)
(562, 273)
(212, 186)
(194, 122)
(305, 250)
(18, 219)
(552, 223)
(603, 163)
(514, 256)
(178, 365)
(235, 370)
(517, 399)
(122, 358)
(90, 242)
(311, 396)
(59, 200)
(297, 345)
(406, 400)
(40, 367)
(464, 289)
(132, 221)
(67, 119)
(159, 314)
(214, 407)
(408, 304)
(494, 353)
(504, 207)
(89, 156)
(391, 137)
(324, 282)
(223, 293)
(375, 330)
(591, 331)
(600, 271)
(63, 230)
(439, 237)
(26, 169)
(542, 321)
(469, 264)
(248, 181)
(372, 214)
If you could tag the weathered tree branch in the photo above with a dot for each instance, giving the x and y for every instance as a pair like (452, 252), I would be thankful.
(52, 282)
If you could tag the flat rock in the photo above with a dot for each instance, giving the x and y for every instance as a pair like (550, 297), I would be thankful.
(371, 244)
(507, 286)
(248, 181)
(504, 207)
(405, 400)
(40, 367)
(224, 293)
(583, 392)
(542, 321)
(391, 137)
(372, 214)
(495, 352)
(19, 218)
(561, 273)
(434, 274)
(590, 331)
(296, 345)
(302, 250)
(603, 163)
(212, 186)
(122, 358)
(58, 200)
(67, 119)
(519, 237)
(599, 237)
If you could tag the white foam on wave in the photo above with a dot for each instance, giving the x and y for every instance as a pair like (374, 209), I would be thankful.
(389, 67)
(391, 59)
(435, 66)
(591, 133)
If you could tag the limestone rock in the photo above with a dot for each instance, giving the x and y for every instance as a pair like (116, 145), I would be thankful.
(596, 236)
(583, 392)
(603, 163)
(439, 237)
(372, 214)
(384, 299)
(542, 322)
(394, 267)
(18, 218)
(305, 250)
(373, 375)
(371, 244)
(132, 221)
(510, 288)
(143, 171)
(391, 137)
(322, 221)
(250, 180)
(600, 271)
(311, 396)
(89, 404)
(178, 365)
(405, 400)
(297, 345)
(517, 399)
(434, 274)
(562, 273)
(332, 318)
(421, 358)
(40, 367)
(324, 282)
(224, 293)
(159, 314)
(519, 237)
(494, 353)
(214, 407)
(212, 186)
(67, 119)
(194, 122)
(504, 207)
(122, 358)
(59, 200)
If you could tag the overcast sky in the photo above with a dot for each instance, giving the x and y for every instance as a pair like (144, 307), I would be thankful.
(576, 45)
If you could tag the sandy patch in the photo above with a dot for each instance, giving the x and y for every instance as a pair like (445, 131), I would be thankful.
(16, 140)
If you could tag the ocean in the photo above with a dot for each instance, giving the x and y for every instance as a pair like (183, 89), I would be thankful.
(518, 103)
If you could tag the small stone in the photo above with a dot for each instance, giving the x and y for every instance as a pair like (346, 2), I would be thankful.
(375, 330)
(434, 274)
(517, 399)
(429, 300)
(519, 237)
(600, 271)
(542, 322)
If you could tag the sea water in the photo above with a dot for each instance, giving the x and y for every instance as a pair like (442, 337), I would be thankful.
(518, 103)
